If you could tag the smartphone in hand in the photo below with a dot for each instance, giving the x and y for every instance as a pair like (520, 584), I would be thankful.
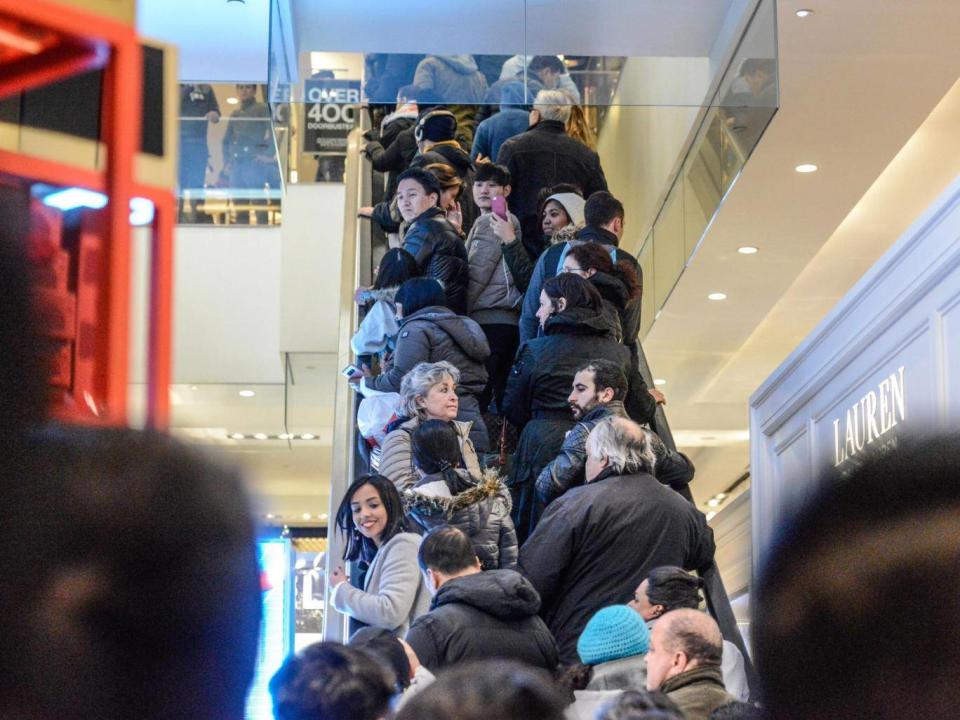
(351, 370)
(498, 206)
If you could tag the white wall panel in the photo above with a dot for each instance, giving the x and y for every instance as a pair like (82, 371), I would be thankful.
(884, 364)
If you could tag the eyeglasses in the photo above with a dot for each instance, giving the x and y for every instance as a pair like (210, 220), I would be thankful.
(573, 270)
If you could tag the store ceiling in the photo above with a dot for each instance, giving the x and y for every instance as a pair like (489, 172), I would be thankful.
(857, 86)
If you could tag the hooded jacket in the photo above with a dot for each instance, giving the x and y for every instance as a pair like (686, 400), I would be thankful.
(451, 79)
(543, 372)
(597, 542)
(492, 296)
(440, 254)
(396, 458)
(480, 509)
(490, 614)
(551, 262)
(436, 333)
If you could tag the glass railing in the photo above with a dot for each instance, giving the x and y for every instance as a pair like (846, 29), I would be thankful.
(727, 131)
(229, 169)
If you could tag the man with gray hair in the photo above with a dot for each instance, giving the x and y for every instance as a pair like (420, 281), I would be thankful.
(597, 542)
(545, 155)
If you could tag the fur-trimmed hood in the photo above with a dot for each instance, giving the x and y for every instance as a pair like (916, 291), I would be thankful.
(423, 499)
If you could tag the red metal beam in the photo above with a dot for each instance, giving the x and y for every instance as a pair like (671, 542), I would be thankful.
(159, 343)
(51, 65)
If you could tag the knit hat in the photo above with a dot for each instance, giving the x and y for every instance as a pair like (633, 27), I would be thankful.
(436, 126)
(572, 203)
(612, 633)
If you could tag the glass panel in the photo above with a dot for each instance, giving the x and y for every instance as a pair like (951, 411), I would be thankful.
(229, 171)
(669, 251)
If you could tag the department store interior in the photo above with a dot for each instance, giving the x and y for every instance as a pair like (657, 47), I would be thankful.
(788, 173)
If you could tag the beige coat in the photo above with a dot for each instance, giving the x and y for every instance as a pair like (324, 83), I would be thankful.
(396, 458)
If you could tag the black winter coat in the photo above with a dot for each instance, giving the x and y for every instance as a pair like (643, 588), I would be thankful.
(453, 155)
(491, 614)
(394, 151)
(541, 157)
(537, 392)
(481, 510)
(436, 333)
(440, 254)
(597, 543)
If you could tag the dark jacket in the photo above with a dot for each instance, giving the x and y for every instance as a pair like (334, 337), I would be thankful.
(440, 254)
(453, 155)
(698, 692)
(597, 542)
(437, 333)
(393, 151)
(550, 263)
(543, 372)
(491, 614)
(541, 157)
(536, 397)
(388, 73)
(567, 469)
(481, 510)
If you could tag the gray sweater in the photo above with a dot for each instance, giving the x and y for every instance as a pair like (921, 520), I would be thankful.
(393, 593)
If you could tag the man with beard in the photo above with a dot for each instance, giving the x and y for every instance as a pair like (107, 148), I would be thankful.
(599, 388)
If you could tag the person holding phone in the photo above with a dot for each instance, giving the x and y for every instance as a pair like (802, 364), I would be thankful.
(371, 519)
(493, 300)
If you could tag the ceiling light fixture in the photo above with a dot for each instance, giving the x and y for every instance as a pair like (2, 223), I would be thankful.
(806, 168)
(717, 296)
(237, 436)
(306, 516)
(307, 436)
(284, 436)
(194, 387)
(748, 250)
(711, 516)
(804, 12)
(233, 101)
(713, 502)
(260, 436)
(246, 393)
(659, 381)
(324, 516)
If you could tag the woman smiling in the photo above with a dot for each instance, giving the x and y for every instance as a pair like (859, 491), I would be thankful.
(371, 518)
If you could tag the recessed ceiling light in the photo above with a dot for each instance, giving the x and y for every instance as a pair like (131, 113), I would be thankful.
(713, 502)
(748, 250)
(717, 296)
(806, 168)
(306, 516)
(194, 387)
(270, 516)
(324, 516)
(711, 515)
(659, 381)
(284, 436)
(237, 436)
(246, 393)
(232, 101)
(307, 436)
(804, 13)
(260, 436)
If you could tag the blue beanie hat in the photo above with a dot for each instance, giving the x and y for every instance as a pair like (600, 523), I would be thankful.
(614, 632)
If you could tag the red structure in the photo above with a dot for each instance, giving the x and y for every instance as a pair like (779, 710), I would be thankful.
(42, 41)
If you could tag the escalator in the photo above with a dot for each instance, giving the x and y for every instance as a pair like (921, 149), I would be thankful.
(350, 455)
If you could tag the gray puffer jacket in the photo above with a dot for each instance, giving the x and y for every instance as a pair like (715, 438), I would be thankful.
(451, 78)
(492, 296)
(435, 333)
(481, 510)
(396, 458)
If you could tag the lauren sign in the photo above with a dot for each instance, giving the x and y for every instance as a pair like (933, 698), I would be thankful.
(870, 418)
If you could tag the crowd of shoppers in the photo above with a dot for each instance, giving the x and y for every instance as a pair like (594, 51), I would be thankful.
(140, 595)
